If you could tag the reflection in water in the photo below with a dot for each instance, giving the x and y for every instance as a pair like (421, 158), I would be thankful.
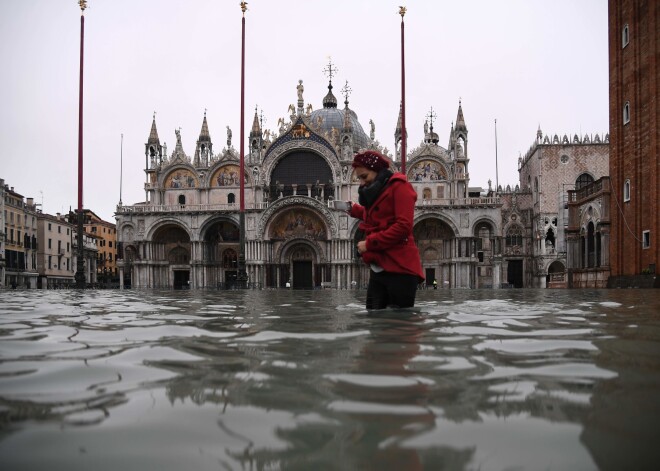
(493, 380)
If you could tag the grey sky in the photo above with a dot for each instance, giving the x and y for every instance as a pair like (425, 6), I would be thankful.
(524, 62)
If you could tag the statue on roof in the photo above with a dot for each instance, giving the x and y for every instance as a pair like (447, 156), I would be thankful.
(300, 89)
(372, 132)
(228, 137)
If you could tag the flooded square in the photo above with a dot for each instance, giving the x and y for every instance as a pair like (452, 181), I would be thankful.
(287, 379)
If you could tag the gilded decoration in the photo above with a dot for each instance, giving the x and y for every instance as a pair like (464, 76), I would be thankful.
(228, 175)
(280, 204)
(300, 131)
(427, 170)
(181, 179)
(298, 222)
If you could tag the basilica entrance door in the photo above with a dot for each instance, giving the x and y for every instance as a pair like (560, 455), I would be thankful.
(515, 273)
(181, 279)
(230, 279)
(302, 274)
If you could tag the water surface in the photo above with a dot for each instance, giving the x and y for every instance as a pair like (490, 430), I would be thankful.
(308, 380)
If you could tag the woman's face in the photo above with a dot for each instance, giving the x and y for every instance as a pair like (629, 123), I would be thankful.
(365, 176)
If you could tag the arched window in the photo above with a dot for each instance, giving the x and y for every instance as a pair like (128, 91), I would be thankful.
(591, 246)
(182, 199)
(231, 198)
(626, 113)
(550, 241)
(626, 190)
(625, 36)
(583, 180)
(514, 236)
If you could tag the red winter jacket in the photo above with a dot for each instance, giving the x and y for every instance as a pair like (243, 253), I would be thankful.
(388, 228)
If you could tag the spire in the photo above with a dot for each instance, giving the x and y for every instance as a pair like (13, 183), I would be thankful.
(256, 129)
(347, 113)
(452, 138)
(397, 131)
(204, 147)
(204, 135)
(153, 135)
(460, 120)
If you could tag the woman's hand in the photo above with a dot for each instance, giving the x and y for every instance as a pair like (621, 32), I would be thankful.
(362, 246)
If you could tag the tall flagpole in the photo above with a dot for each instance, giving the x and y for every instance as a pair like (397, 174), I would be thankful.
(497, 180)
(121, 166)
(242, 274)
(80, 262)
(404, 134)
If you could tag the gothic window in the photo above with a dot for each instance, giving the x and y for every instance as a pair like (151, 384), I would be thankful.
(625, 36)
(626, 190)
(626, 113)
(591, 255)
(550, 240)
(514, 236)
(231, 198)
(583, 180)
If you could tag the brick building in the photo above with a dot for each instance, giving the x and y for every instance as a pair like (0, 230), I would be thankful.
(634, 48)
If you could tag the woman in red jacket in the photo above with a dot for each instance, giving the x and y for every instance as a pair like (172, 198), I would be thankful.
(387, 207)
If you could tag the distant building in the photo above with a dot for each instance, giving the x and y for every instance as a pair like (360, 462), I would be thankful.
(3, 231)
(537, 215)
(55, 252)
(90, 255)
(634, 38)
(20, 240)
(588, 235)
(106, 232)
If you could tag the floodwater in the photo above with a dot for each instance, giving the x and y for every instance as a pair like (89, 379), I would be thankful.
(308, 380)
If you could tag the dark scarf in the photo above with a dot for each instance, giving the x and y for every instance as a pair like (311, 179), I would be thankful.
(368, 194)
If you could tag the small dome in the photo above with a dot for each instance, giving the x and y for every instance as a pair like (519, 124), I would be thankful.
(332, 117)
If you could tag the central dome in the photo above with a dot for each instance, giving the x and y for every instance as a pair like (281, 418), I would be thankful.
(330, 117)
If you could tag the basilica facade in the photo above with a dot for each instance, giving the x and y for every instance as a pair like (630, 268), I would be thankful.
(187, 232)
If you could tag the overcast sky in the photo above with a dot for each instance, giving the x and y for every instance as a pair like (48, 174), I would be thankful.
(523, 62)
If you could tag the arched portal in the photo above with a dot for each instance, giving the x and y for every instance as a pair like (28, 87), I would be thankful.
(171, 244)
(221, 246)
(435, 240)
